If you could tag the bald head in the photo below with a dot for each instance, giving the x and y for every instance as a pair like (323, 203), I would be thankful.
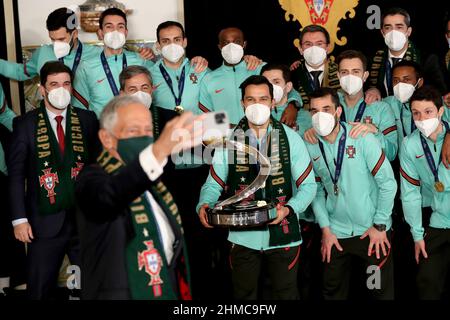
(231, 35)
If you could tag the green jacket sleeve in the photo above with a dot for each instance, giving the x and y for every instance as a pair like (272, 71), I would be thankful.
(81, 94)
(381, 170)
(319, 205)
(387, 132)
(6, 114)
(215, 183)
(410, 192)
(23, 71)
(293, 95)
(302, 172)
(205, 103)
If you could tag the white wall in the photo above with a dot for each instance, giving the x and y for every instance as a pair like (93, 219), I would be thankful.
(142, 23)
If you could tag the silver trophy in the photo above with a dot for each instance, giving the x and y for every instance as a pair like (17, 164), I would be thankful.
(232, 212)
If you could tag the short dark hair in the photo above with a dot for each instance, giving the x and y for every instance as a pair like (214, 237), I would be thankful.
(275, 66)
(314, 28)
(409, 63)
(112, 12)
(395, 11)
(231, 27)
(131, 71)
(168, 24)
(352, 54)
(427, 93)
(323, 92)
(256, 80)
(62, 18)
(54, 67)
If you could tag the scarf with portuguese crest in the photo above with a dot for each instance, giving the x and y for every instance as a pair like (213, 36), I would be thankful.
(56, 173)
(146, 262)
(304, 87)
(278, 186)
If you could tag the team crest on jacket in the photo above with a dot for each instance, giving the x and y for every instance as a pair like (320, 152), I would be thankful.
(193, 78)
(351, 151)
(368, 120)
(49, 180)
(151, 261)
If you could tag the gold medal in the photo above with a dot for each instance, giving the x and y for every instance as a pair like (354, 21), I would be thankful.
(439, 186)
(179, 109)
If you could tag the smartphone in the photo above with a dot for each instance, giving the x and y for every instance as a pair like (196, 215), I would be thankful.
(215, 126)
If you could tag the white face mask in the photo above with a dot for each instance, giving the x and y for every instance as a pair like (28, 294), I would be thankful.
(315, 56)
(172, 52)
(427, 127)
(351, 84)
(448, 40)
(395, 40)
(278, 93)
(144, 97)
(404, 91)
(323, 123)
(232, 53)
(257, 113)
(114, 40)
(61, 48)
(59, 98)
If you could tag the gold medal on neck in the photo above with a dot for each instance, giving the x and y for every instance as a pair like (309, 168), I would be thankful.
(439, 186)
(179, 109)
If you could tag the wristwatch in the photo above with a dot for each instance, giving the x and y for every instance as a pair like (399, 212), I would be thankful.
(380, 227)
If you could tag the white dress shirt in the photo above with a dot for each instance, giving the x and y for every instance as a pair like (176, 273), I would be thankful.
(321, 68)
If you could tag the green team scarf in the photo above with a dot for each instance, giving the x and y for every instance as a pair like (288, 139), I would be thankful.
(330, 79)
(146, 263)
(278, 188)
(56, 175)
(378, 69)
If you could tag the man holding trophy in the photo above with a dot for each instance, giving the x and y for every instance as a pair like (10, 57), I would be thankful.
(283, 192)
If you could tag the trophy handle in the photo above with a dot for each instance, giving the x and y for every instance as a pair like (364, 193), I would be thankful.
(263, 174)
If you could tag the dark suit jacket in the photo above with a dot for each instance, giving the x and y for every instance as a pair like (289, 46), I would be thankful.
(105, 227)
(22, 170)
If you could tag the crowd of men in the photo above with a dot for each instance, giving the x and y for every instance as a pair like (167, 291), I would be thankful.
(97, 174)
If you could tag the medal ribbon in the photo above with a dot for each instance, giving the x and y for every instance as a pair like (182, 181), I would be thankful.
(340, 157)
(170, 84)
(108, 73)
(359, 113)
(77, 59)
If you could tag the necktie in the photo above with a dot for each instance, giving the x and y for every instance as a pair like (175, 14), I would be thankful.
(395, 61)
(60, 133)
(389, 75)
(316, 82)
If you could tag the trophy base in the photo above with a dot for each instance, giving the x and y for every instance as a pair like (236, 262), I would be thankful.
(241, 215)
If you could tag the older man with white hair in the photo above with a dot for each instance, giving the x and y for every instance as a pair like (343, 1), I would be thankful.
(130, 231)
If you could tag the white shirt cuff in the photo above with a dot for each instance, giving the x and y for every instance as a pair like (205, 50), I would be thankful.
(19, 221)
(150, 165)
